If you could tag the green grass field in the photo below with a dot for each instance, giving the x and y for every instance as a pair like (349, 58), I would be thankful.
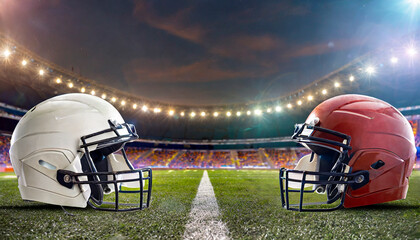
(249, 202)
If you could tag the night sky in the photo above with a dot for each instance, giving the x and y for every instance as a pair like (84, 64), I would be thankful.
(206, 52)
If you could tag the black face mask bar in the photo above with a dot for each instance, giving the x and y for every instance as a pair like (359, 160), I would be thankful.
(98, 180)
(333, 179)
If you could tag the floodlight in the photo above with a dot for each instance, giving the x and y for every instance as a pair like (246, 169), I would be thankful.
(370, 70)
(394, 60)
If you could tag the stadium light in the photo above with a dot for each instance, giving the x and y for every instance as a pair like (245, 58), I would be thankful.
(370, 70)
(337, 84)
(203, 114)
(93, 92)
(113, 99)
(310, 98)
(70, 85)
(6, 53)
(351, 78)
(269, 110)
(238, 114)
(414, 3)
(278, 109)
(134, 106)
(258, 112)
(215, 114)
(289, 105)
(24, 62)
(248, 112)
(228, 114)
(171, 112)
(324, 91)
(157, 110)
(83, 90)
(103, 96)
(58, 80)
(193, 114)
(41, 72)
(411, 51)
(394, 60)
(122, 103)
(182, 114)
(144, 108)
(299, 102)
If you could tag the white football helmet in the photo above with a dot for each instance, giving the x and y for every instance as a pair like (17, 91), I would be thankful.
(63, 153)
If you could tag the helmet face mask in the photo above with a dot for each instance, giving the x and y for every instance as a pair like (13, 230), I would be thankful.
(64, 151)
(362, 153)
(102, 179)
(325, 170)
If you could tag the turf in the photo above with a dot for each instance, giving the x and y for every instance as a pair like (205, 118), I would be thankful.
(249, 202)
(251, 207)
(173, 192)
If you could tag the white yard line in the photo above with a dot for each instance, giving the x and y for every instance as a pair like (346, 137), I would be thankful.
(204, 220)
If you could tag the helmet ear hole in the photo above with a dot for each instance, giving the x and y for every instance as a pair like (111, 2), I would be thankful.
(47, 165)
(378, 164)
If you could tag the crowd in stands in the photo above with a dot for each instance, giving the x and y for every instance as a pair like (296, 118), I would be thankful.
(219, 159)
(159, 158)
(4, 152)
(250, 159)
(188, 159)
(285, 157)
(181, 159)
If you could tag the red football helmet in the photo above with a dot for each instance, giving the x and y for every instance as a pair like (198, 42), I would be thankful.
(363, 153)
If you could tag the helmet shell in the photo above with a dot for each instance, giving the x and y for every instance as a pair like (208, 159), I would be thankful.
(378, 132)
(47, 138)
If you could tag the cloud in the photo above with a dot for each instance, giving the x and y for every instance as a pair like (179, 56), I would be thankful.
(177, 24)
(145, 70)
(324, 48)
(264, 12)
(246, 47)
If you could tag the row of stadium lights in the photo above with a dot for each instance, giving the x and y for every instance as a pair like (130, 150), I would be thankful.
(369, 70)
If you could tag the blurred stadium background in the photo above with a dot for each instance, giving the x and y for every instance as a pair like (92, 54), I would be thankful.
(252, 135)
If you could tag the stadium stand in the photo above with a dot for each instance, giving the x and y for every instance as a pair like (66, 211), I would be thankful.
(5, 164)
(286, 158)
(273, 158)
(250, 159)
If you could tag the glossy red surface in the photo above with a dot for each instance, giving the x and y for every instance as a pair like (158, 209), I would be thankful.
(378, 132)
